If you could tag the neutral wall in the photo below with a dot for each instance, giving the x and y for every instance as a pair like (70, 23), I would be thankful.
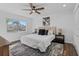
(60, 20)
(76, 31)
(66, 22)
(10, 36)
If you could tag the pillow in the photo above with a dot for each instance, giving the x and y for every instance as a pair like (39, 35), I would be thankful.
(43, 32)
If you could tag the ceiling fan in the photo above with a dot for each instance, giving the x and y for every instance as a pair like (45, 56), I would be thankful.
(34, 9)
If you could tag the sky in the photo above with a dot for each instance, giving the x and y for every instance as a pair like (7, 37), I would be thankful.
(23, 22)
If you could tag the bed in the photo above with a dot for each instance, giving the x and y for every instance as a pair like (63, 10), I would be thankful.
(36, 41)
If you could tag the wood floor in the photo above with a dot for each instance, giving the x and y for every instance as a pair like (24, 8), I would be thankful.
(69, 50)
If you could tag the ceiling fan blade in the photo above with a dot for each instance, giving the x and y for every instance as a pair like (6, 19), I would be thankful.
(40, 8)
(27, 9)
(37, 12)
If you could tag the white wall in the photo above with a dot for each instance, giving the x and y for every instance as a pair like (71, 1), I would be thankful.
(11, 36)
(66, 22)
(76, 30)
(60, 20)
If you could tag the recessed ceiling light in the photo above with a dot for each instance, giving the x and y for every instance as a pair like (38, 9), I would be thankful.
(64, 5)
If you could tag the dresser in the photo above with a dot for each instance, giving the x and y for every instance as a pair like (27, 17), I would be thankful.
(4, 47)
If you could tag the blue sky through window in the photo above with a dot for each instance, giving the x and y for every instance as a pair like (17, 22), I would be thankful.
(22, 22)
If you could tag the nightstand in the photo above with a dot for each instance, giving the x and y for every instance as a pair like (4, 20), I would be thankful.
(59, 38)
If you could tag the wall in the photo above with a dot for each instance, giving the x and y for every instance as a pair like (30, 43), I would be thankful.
(60, 20)
(11, 36)
(66, 22)
(76, 30)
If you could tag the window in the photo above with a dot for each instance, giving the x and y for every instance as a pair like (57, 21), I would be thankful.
(16, 25)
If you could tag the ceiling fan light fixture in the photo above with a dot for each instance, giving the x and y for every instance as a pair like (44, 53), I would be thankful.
(33, 11)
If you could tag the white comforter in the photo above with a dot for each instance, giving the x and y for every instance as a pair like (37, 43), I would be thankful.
(40, 42)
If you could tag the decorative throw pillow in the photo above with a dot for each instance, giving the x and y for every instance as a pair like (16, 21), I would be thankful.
(43, 32)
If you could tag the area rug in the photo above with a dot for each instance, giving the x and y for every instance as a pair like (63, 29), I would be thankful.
(24, 50)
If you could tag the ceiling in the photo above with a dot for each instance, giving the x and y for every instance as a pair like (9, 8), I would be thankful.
(50, 8)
